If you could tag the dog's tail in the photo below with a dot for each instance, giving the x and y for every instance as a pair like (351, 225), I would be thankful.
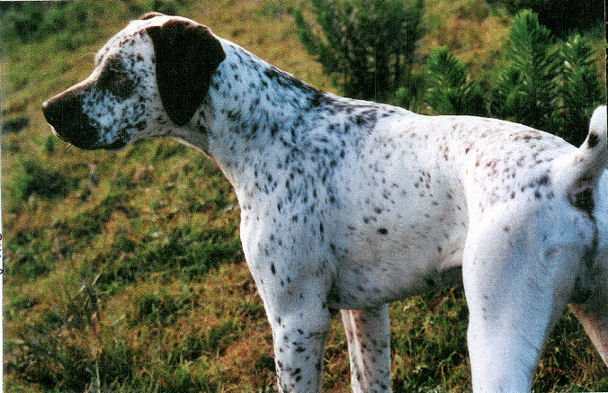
(580, 170)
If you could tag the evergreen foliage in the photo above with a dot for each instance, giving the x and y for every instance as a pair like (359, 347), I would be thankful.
(546, 85)
(526, 91)
(450, 90)
(580, 89)
(366, 46)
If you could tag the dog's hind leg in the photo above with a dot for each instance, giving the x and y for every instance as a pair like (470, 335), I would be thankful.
(588, 187)
(368, 335)
(515, 292)
(593, 315)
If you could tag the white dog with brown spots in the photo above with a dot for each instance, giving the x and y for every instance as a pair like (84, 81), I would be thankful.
(351, 205)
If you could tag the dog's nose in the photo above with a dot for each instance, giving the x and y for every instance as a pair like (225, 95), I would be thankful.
(59, 110)
(65, 113)
(50, 111)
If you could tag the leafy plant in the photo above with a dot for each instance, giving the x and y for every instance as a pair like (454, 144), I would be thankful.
(580, 89)
(526, 91)
(450, 90)
(553, 87)
(366, 46)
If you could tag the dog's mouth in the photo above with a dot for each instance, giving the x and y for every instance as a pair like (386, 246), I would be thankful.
(73, 139)
(58, 135)
(114, 146)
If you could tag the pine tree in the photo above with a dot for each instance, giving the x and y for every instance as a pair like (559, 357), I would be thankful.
(366, 46)
(580, 90)
(527, 91)
(450, 90)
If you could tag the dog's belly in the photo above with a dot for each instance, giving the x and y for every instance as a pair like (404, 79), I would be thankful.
(403, 236)
(383, 272)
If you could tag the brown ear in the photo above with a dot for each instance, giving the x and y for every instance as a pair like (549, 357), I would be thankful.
(150, 15)
(186, 57)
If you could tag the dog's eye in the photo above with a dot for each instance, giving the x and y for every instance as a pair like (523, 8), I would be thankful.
(115, 79)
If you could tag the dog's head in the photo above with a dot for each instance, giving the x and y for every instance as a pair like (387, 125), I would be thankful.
(150, 77)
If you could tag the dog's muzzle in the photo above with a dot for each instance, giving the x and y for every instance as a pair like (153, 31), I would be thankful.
(64, 113)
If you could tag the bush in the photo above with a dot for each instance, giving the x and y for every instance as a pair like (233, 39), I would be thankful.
(561, 16)
(450, 90)
(580, 90)
(526, 90)
(548, 86)
(366, 46)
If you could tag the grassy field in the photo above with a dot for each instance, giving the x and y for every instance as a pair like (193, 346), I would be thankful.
(124, 271)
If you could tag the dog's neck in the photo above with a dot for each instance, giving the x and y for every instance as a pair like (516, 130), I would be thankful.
(256, 115)
(255, 111)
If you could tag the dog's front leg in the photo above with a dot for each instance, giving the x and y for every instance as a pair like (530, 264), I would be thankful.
(300, 324)
(296, 307)
(368, 335)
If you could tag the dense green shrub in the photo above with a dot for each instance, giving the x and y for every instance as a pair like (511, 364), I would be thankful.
(366, 46)
(546, 85)
(449, 88)
(553, 87)
(580, 90)
(527, 90)
(560, 16)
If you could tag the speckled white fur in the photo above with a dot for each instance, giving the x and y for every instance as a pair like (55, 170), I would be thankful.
(351, 205)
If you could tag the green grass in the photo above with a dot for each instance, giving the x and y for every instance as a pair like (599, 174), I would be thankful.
(34, 180)
(124, 271)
